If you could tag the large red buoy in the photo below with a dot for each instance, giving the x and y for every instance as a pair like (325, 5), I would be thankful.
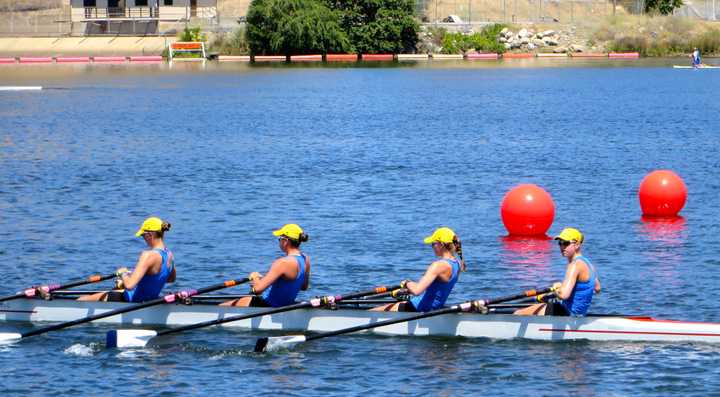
(662, 193)
(527, 210)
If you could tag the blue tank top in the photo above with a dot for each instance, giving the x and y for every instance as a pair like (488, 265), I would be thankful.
(436, 294)
(579, 301)
(283, 292)
(150, 285)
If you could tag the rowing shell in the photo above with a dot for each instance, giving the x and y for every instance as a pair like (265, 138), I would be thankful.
(692, 67)
(474, 325)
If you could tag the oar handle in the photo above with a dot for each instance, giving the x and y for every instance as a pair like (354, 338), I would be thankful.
(527, 294)
(330, 299)
(542, 298)
(34, 291)
(170, 298)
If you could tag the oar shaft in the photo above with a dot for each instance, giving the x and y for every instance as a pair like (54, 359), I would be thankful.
(30, 292)
(317, 302)
(467, 306)
(451, 309)
(526, 294)
(165, 299)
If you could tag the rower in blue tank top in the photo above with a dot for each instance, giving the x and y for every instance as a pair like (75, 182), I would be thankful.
(575, 293)
(433, 289)
(287, 275)
(155, 267)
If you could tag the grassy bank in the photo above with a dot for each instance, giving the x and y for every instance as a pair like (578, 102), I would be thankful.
(657, 36)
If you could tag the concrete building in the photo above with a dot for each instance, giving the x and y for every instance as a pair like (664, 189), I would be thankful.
(137, 17)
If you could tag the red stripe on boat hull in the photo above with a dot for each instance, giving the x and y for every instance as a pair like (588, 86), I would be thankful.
(590, 331)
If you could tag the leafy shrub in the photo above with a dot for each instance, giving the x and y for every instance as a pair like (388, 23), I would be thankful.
(378, 26)
(291, 27)
(664, 7)
(192, 34)
(484, 41)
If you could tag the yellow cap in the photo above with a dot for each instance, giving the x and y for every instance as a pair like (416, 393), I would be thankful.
(441, 235)
(290, 230)
(570, 234)
(152, 224)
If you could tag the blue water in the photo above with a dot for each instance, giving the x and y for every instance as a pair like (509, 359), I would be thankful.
(369, 160)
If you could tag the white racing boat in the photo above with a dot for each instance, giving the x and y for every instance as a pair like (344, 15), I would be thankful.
(692, 67)
(473, 325)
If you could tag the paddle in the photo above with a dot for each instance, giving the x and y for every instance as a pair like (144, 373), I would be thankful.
(33, 291)
(7, 337)
(274, 343)
(121, 338)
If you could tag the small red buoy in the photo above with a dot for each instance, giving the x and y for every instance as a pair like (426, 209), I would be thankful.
(662, 193)
(527, 210)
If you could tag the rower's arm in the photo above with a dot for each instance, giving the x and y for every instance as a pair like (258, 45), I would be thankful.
(571, 275)
(147, 259)
(172, 276)
(598, 288)
(430, 275)
(306, 283)
(277, 269)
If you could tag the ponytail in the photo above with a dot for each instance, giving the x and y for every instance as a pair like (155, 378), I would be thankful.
(301, 239)
(163, 228)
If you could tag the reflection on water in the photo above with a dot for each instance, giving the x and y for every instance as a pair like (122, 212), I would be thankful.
(665, 254)
(531, 255)
(669, 231)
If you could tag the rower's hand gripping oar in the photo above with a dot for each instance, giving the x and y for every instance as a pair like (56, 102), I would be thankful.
(286, 342)
(47, 289)
(122, 338)
(170, 298)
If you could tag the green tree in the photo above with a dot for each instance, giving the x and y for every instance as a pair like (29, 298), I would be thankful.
(292, 27)
(378, 26)
(664, 7)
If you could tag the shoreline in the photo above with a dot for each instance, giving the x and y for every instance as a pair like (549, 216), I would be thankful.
(83, 46)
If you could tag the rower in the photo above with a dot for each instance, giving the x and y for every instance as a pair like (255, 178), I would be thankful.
(286, 276)
(433, 289)
(695, 57)
(154, 268)
(581, 282)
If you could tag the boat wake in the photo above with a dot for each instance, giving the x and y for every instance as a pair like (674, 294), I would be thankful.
(80, 350)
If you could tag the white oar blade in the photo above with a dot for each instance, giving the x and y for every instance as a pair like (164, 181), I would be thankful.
(125, 338)
(20, 88)
(277, 343)
(9, 337)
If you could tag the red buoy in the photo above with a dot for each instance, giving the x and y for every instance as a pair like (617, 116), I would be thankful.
(662, 193)
(527, 210)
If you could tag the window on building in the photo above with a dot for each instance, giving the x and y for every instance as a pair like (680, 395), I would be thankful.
(89, 3)
(168, 2)
(140, 3)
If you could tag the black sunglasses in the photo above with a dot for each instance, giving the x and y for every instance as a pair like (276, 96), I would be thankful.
(564, 243)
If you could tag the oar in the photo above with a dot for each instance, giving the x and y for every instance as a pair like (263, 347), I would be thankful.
(279, 342)
(542, 298)
(31, 292)
(170, 298)
(121, 338)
